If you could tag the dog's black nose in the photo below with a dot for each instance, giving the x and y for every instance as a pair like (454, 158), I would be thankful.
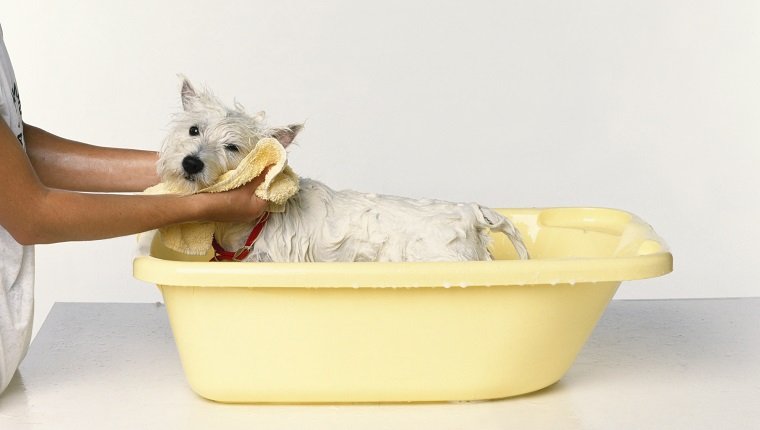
(192, 164)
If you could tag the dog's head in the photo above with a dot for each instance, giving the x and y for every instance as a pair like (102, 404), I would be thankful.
(207, 139)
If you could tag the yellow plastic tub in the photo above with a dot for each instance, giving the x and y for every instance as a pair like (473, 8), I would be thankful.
(403, 332)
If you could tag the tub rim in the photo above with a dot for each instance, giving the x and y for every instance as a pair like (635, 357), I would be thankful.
(384, 275)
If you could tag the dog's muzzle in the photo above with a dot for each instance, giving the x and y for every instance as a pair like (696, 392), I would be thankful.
(192, 164)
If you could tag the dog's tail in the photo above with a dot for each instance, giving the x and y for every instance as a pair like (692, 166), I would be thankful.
(502, 224)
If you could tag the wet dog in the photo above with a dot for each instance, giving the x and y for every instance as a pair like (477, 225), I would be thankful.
(208, 138)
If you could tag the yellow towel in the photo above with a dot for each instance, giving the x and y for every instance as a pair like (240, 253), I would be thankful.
(279, 185)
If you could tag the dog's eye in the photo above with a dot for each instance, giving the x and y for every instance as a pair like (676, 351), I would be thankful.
(231, 147)
(194, 131)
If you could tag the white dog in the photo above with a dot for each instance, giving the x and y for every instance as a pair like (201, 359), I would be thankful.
(318, 224)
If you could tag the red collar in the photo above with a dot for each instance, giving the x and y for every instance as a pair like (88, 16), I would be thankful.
(221, 254)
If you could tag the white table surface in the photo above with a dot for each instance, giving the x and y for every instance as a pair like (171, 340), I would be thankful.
(668, 364)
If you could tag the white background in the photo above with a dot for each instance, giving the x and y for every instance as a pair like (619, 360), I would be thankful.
(649, 106)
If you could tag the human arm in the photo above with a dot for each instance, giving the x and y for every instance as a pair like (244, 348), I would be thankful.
(70, 165)
(32, 212)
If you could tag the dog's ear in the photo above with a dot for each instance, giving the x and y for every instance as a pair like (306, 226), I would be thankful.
(286, 135)
(188, 94)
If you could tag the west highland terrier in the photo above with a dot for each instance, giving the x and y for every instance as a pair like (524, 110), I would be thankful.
(318, 223)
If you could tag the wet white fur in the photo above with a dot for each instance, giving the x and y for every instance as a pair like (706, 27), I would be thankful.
(320, 224)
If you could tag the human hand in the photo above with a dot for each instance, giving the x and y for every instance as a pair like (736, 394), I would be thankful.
(238, 205)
